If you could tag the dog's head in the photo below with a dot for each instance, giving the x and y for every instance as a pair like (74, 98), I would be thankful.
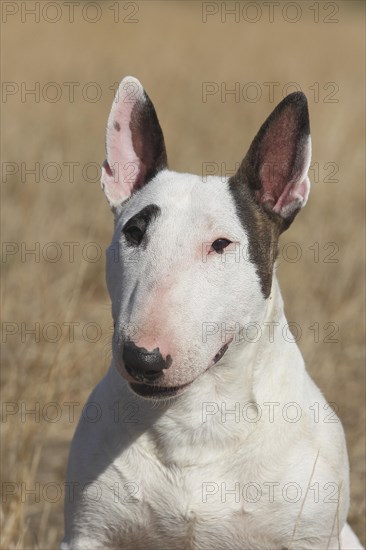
(192, 259)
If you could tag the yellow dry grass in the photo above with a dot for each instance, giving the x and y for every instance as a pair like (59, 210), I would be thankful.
(173, 52)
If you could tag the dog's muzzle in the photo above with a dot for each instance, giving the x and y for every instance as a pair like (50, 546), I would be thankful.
(147, 369)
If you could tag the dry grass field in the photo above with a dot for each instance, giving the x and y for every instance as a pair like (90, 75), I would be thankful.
(187, 60)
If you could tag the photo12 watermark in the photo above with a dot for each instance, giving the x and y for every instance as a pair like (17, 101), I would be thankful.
(319, 172)
(269, 491)
(53, 412)
(270, 12)
(270, 332)
(77, 12)
(271, 412)
(68, 92)
(253, 92)
(53, 492)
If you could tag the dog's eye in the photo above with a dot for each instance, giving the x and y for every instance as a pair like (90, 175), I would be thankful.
(135, 228)
(219, 245)
(133, 234)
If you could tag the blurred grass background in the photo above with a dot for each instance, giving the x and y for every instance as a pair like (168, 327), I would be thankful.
(173, 52)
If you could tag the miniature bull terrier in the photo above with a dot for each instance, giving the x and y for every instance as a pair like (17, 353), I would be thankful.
(203, 433)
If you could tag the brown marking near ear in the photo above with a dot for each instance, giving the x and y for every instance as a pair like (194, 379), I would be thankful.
(117, 126)
(262, 233)
(276, 155)
(275, 159)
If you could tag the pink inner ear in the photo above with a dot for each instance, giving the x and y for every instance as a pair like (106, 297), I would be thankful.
(123, 171)
(284, 165)
(111, 178)
(294, 197)
(128, 170)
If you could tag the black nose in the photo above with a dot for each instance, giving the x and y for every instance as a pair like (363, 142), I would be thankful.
(144, 365)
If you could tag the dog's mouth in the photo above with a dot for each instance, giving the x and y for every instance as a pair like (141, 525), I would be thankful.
(158, 392)
(153, 391)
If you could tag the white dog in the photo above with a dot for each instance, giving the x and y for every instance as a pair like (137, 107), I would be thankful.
(207, 432)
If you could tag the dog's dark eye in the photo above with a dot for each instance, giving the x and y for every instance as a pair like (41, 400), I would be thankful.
(135, 229)
(219, 245)
(133, 234)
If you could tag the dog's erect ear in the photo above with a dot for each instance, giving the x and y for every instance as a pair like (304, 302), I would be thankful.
(135, 143)
(277, 163)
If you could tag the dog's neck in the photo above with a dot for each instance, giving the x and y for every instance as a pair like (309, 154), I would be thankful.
(194, 426)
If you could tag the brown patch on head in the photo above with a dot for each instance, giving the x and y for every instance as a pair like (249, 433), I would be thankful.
(117, 126)
(262, 186)
(262, 233)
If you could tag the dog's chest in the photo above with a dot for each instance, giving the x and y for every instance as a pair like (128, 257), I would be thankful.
(194, 507)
